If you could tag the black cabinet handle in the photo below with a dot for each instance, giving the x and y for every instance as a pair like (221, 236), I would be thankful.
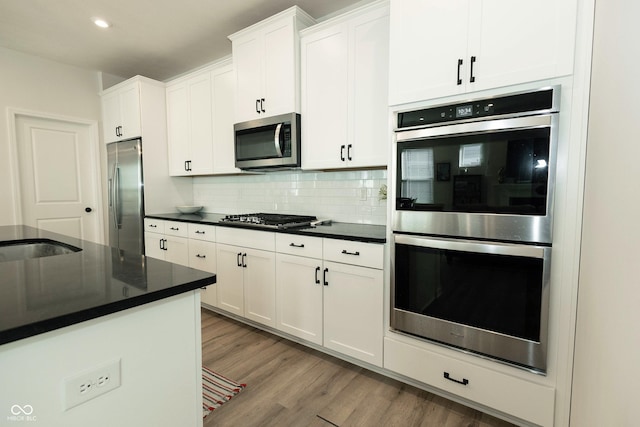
(349, 151)
(174, 228)
(473, 61)
(187, 165)
(88, 209)
(463, 382)
(163, 244)
(346, 252)
(257, 108)
(153, 226)
(201, 256)
(200, 232)
(324, 277)
(296, 246)
(342, 152)
(459, 81)
(244, 257)
(317, 271)
(238, 259)
(262, 105)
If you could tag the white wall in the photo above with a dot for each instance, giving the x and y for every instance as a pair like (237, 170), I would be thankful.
(346, 196)
(35, 84)
(606, 390)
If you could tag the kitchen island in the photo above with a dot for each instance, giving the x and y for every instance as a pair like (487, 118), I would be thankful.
(121, 323)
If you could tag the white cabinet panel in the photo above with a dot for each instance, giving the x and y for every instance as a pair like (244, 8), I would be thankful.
(299, 296)
(345, 66)
(446, 48)
(353, 311)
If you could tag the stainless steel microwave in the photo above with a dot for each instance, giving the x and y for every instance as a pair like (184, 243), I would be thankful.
(269, 143)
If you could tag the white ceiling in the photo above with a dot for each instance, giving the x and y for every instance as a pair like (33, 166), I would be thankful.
(159, 39)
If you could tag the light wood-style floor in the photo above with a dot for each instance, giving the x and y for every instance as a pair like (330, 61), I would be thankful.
(291, 385)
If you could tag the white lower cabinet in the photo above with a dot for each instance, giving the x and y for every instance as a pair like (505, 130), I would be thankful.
(202, 256)
(334, 304)
(166, 240)
(518, 397)
(246, 275)
(353, 311)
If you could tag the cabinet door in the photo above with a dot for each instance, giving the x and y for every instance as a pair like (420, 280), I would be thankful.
(325, 92)
(224, 101)
(130, 111)
(299, 297)
(202, 256)
(229, 279)
(178, 129)
(521, 41)
(369, 85)
(201, 124)
(248, 62)
(110, 116)
(152, 245)
(177, 250)
(260, 286)
(280, 79)
(427, 38)
(353, 311)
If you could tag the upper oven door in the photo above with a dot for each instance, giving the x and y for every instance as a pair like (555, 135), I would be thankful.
(489, 179)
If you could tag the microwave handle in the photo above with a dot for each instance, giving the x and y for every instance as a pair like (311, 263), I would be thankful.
(276, 139)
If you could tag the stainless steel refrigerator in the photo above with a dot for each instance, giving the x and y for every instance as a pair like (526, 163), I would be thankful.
(126, 199)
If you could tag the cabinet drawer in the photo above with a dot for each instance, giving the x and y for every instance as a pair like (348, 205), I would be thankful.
(174, 228)
(515, 396)
(202, 255)
(263, 240)
(154, 225)
(356, 253)
(202, 232)
(299, 245)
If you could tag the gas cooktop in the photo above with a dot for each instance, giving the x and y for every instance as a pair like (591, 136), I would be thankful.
(267, 220)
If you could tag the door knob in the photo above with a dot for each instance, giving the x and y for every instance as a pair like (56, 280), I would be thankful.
(87, 210)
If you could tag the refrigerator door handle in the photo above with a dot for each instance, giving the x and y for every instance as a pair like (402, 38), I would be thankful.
(116, 185)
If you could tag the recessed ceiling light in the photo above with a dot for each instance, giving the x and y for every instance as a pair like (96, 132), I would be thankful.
(101, 23)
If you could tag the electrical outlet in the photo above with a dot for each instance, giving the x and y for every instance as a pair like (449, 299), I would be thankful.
(91, 383)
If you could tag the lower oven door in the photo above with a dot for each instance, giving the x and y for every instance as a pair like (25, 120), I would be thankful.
(485, 297)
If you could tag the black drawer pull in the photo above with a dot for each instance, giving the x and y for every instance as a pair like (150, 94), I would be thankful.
(153, 226)
(296, 246)
(174, 228)
(346, 252)
(199, 232)
(201, 256)
(463, 382)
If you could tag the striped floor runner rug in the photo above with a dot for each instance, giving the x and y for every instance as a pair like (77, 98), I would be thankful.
(217, 390)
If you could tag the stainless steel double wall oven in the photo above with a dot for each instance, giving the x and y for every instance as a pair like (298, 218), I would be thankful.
(472, 224)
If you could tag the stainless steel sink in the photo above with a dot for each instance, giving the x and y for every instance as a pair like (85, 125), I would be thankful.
(17, 250)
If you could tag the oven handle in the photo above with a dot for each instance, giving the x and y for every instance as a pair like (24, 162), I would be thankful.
(494, 248)
(499, 125)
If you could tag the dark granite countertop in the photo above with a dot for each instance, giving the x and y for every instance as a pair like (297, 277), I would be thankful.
(336, 230)
(42, 294)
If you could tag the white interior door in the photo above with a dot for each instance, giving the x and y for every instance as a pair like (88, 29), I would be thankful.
(59, 176)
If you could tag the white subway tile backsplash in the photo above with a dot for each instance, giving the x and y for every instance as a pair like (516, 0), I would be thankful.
(334, 195)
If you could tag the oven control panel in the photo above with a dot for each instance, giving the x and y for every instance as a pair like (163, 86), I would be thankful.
(537, 101)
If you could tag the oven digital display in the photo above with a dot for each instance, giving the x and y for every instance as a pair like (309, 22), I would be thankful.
(464, 111)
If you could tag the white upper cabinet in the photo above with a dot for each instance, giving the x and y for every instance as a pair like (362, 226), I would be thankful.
(200, 120)
(344, 90)
(121, 112)
(266, 58)
(190, 125)
(446, 48)
(223, 82)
